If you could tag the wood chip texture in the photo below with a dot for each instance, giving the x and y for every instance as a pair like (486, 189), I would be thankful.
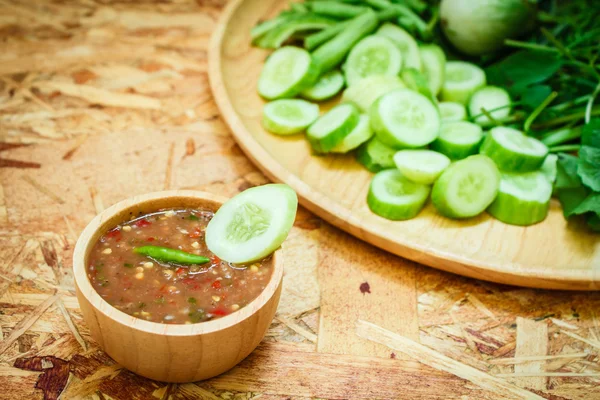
(104, 100)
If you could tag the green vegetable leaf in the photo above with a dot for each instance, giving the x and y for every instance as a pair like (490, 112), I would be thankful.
(566, 172)
(588, 167)
(590, 134)
(590, 204)
(533, 96)
(522, 69)
(570, 199)
(594, 222)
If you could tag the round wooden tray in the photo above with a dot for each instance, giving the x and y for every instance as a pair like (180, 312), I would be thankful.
(553, 254)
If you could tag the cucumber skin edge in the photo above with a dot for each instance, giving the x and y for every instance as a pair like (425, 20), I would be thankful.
(530, 216)
(382, 211)
(505, 159)
(451, 149)
(325, 144)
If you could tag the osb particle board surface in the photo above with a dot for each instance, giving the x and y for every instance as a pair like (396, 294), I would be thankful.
(102, 100)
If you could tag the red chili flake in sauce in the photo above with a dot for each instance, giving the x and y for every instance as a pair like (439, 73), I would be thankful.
(216, 285)
(142, 223)
(215, 260)
(219, 311)
(150, 239)
(180, 271)
(114, 234)
(196, 233)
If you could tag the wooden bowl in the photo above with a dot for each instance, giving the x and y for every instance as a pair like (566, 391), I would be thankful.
(170, 353)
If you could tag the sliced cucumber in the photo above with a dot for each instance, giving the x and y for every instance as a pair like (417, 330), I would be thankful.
(373, 55)
(513, 151)
(289, 116)
(416, 81)
(332, 127)
(392, 196)
(421, 166)
(489, 98)
(549, 167)
(458, 139)
(405, 42)
(467, 187)
(434, 64)
(450, 111)
(364, 93)
(405, 119)
(287, 72)
(253, 224)
(359, 135)
(376, 156)
(523, 199)
(462, 80)
(326, 87)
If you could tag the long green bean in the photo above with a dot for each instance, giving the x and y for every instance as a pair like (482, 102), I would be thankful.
(168, 255)
(336, 10)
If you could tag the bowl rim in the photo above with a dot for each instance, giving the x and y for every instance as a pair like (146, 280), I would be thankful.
(85, 288)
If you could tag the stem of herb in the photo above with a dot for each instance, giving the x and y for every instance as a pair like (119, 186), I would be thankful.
(489, 116)
(538, 110)
(516, 103)
(566, 118)
(565, 148)
(530, 46)
(561, 136)
(590, 104)
(570, 103)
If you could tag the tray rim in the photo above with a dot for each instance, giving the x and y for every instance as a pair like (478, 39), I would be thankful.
(329, 210)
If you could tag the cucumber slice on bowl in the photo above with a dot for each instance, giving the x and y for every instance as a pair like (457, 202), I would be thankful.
(360, 134)
(287, 72)
(405, 119)
(364, 92)
(253, 224)
(332, 127)
(451, 111)
(549, 167)
(373, 55)
(434, 64)
(289, 116)
(326, 87)
(513, 151)
(489, 98)
(376, 156)
(415, 80)
(458, 139)
(393, 196)
(462, 80)
(404, 41)
(523, 199)
(421, 166)
(467, 187)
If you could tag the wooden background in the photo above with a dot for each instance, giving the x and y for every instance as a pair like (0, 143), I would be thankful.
(101, 100)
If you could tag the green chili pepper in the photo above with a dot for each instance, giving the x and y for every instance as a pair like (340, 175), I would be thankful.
(170, 255)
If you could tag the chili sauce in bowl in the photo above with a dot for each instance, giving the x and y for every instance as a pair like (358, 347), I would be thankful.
(127, 267)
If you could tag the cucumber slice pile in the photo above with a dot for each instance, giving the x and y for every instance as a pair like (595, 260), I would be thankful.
(434, 65)
(467, 187)
(513, 151)
(462, 79)
(458, 139)
(332, 127)
(289, 116)
(357, 136)
(421, 166)
(393, 196)
(405, 42)
(405, 119)
(364, 93)
(404, 111)
(450, 111)
(253, 224)
(529, 193)
(489, 98)
(376, 156)
(326, 87)
(373, 55)
(287, 72)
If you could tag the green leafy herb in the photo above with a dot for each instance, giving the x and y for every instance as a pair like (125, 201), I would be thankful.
(160, 300)
(193, 217)
(588, 167)
(127, 265)
(141, 305)
(197, 316)
(191, 300)
(590, 134)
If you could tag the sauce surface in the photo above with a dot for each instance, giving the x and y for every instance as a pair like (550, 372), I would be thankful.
(166, 292)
